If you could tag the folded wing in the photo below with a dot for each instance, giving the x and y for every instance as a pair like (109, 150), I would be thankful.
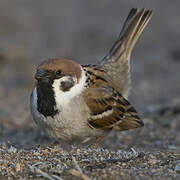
(110, 111)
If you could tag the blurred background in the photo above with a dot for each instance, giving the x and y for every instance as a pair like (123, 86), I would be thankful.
(32, 31)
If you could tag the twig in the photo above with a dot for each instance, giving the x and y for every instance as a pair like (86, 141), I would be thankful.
(37, 170)
(76, 164)
(135, 152)
(78, 174)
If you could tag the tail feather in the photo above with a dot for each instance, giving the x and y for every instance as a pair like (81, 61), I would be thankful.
(143, 20)
(132, 29)
(131, 14)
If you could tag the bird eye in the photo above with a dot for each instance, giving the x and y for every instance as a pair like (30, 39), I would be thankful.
(58, 72)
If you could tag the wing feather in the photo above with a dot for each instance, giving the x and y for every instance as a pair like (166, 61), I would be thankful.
(109, 110)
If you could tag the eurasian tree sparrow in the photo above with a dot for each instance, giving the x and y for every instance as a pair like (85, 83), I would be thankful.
(74, 102)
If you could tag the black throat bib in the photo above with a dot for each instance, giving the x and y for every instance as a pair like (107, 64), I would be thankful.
(45, 99)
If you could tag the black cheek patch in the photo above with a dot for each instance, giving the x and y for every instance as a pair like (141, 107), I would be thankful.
(66, 85)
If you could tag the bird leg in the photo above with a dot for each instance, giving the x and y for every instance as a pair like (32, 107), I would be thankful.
(52, 146)
(93, 145)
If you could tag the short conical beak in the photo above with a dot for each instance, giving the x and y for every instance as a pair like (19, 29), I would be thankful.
(40, 74)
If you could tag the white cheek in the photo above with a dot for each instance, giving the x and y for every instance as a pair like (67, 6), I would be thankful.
(63, 98)
(57, 83)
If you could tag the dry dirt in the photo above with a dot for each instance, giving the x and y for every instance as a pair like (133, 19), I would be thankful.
(31, 31)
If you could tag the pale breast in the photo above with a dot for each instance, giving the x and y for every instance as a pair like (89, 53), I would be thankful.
(69, 124)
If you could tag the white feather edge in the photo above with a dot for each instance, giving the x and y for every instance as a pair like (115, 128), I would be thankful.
(63, 98)
(99, 116)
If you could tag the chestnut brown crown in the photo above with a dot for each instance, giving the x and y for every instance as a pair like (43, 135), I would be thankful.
(61, 66)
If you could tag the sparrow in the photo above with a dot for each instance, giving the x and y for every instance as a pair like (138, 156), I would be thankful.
(77, 103)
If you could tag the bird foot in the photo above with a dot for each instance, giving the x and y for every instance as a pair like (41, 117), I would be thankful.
(94, 144)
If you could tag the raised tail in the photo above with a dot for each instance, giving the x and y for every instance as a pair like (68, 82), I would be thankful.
(116, 62)
(132, 29)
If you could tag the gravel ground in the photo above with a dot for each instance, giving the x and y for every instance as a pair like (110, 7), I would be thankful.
(88, 163)
(32, 31)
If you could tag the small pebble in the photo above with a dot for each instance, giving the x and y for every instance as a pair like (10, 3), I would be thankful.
(177, 168)
(12, 150)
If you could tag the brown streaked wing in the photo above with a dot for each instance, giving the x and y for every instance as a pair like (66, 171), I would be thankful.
(110, 111)
(95, 76)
